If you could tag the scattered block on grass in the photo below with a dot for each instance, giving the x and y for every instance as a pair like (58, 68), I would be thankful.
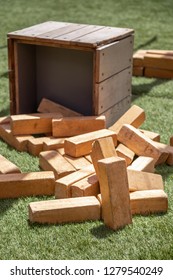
(138, 71)
(139, 180)
(54, 161)
(78, 162)
(148, 202)
(161, 52)
(166, 149)
(18, 142)
(159, 61)
(140, 143)
(77, 209)
(72, 126)
(115, 192)
(152, 135)
(5, 119)
(134, 116)
(32, 124)
(126, 153)
(82, 144)
(63, 185)
(27, 184)
(89, 186)
(35, 145)
(53, 143)
(48, 106)
(7, 167)
(142, 163)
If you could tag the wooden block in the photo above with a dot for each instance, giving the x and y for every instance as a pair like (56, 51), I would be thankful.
(126, 153)
(53, 143)
(162, 52)
(138, 58)
(72, 126)
(5, 119)
(63, 185)
(48, 106)
(152, 135)
(7, 167)
(158, 73)
(67, 210)
(134, 116)
(140, 144)
(20, 143)
(148, 202)
(89, 186)
(139, 180)
(138, 71)
(82, 144)
(33, 123)
(143, 164)
(54, 161)
(166, 149)
(35, 145)
(27, 184)
(115, 192)
(158, 61)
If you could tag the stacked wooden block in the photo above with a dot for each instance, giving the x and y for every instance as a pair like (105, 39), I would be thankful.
(92, 171)
(153, 63)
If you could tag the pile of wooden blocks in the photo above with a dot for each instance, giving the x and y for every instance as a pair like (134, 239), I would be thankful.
(93, 172)
(153, 63)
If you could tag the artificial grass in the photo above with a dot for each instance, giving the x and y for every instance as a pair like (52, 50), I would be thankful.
(149, 237)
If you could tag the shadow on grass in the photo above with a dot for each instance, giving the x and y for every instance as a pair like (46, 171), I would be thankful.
(150, 41)
(5, 204)
(102, 231)
(4, 75)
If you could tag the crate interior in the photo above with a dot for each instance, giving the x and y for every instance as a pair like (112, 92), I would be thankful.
(62, 75)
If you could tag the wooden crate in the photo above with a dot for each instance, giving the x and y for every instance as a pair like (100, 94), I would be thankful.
(86, 68)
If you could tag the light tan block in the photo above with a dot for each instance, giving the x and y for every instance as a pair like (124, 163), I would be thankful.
(115, 192)
(69, 210)
(53, 143)
(142, 163)
(7, 167)
(27, 184)
(158, 73)
(82, 144)
(72, 126)
(32, 124)
(126, 153)
(158, 61)
(134, 116)
(48, 106)
(35, 145)
(54, 161)
(166, 149)
(63, 185)
(138, 58)
(139, 180)
(148, 202)
(140, 144)
(152, 135)
(89, 186)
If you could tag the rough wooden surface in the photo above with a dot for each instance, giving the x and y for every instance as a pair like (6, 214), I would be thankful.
(7, 167)
(126, 153)
(88, 186)
(142, 163)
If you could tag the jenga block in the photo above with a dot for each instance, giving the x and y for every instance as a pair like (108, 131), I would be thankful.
(72, 126)
(63, 185)
(7, 167)
(27, 184)
(33, 123)
(53, 143)
(166, 149)
(115, 192)
(35, 145)
(134, 116)
(143, 164)
(126, 153)
(89, 186)
(78, 163)
(152, 135)
(140, 143)
(48, 106)
(82, 144)
(171, 141)
(158, 73)
(54, 161)
(162, 52)
(158, 61)
(138, 71)
(139, 180)
(18, 142)
(67, 210)
(138, 58)
(148, 202)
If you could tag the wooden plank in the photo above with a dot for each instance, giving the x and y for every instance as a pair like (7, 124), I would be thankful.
(140, 144)
(7, 167)
(80, 145)
(48, 106)
(54, 161)
(119, 52)
(35, 145)
(89, 186)
(162, 52)
(115, 200)
(67, 210)
(27, 184)
(63, 185)
(134, 116)
(138, 58)
(158, 61)
(53, 143)
(142, 163)
(126, 153)
(33, 123)
(166, 149)
(152, 135)
(113, 90)
(158, 73)
(72, 126)
(138, 71)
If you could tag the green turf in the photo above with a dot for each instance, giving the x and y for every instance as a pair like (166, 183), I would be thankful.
(148, 237)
